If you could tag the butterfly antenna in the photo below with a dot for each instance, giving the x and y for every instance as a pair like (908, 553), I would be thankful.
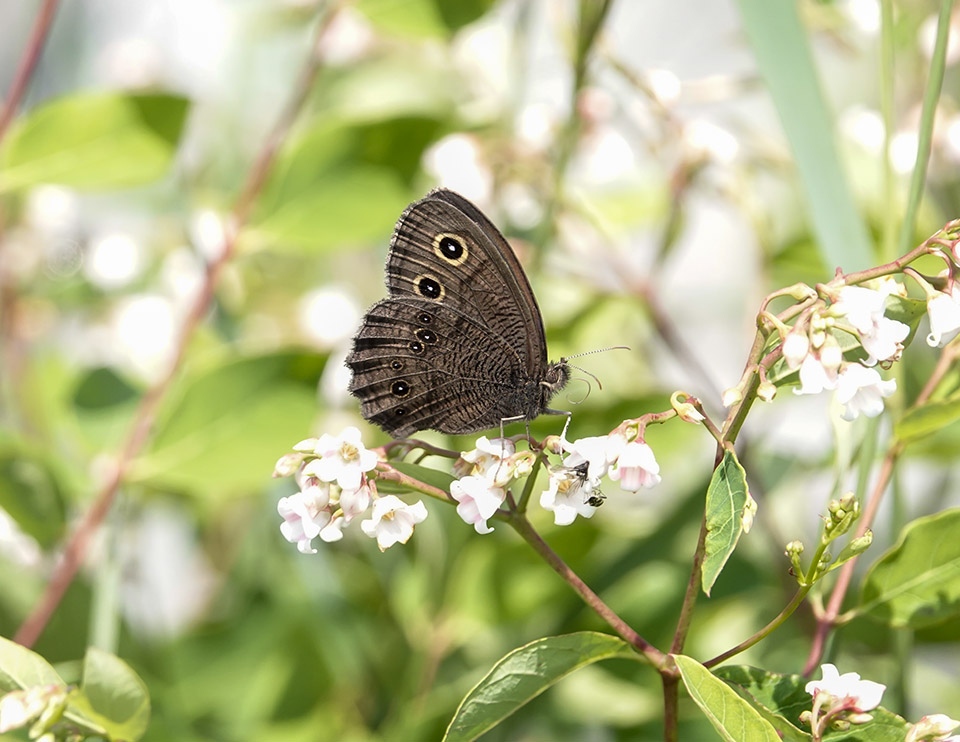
(591, 352)
(592, 376)
(585, 381)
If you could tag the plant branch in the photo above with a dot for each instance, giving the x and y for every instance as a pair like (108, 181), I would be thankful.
(28, 63)
(76, 547)
(523, 527)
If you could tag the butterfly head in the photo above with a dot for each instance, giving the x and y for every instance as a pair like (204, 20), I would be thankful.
(555, 379)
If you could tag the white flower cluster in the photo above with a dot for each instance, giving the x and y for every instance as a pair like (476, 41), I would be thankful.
(817, 354)
(334, 489)
(842, 700)
(573, 486)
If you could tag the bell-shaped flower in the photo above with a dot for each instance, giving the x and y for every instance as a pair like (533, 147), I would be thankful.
(478, 500)
(343, 459)
(815, 376)
(795, 347)
(569, 495)
(488, 460)
(848, 691)
(944, 311)
(597, 452)
(636, 467)
(305, 514)
(861, 390)
(932, 728)
(355, 502)
(393, 521)
(863, 308)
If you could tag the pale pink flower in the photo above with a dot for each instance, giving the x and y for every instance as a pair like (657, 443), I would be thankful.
(597, 452)
(490, 459)
(343, 459)
(393, 521)
(863, 308)
(305, 514)
(20, 707)
(862, 390)
(795, 348)
(932, 728)
(355, 502)
(636, 467)
(478, 500)
(815, 376)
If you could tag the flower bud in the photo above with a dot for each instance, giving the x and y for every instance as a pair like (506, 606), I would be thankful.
(288, 465)
(309, 445)
(795, 347)
(687, 412)
(932, 728)
(766, 391)
(732, 396)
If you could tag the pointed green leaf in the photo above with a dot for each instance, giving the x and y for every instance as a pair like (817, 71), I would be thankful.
(23, 668)
(927, 419)
(526, 673)
(112, 696)
(726, 497)
(94, 140)
(917, 582)
(734, 718)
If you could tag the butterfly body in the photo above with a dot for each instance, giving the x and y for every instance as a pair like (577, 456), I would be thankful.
(458, 346)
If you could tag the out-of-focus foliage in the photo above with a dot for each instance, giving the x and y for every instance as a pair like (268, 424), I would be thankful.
(668, 166)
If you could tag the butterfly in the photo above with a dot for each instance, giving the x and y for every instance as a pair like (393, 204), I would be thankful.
(458, 346)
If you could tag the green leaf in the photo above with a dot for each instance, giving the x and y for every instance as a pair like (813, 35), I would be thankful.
(23, 668)
(112, 696)
(917, 582)
(726, 497)
(734, 718)
(30, 491)
(422, 18)
(230, 424)
(439, 479)
(524, 674)
(780, 699)
(94, 141)
(927, 419)
(784, 60)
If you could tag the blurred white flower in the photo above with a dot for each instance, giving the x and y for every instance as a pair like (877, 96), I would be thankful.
(456, 162)
(53, 210)
(903, 151)
(864, 126)
(131, 62)
(182, 274)
(605, 155)
(927, 38)
(536, 125)
(393, 521)
(665, 85)
(707, 139)
(795, 347)
(864, 14)
(20, 707)
(144, 332)
(208, 233)
(17, 546)
(478, 501)
(636, 467)
(944, 311)
(347, 38)
(113, 260)
(521, 205)
(932, 728)
(862, 390)
(328, 316)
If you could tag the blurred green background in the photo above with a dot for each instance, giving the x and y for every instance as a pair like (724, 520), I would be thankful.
(658, 179)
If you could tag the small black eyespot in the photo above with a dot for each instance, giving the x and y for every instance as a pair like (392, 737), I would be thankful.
(424, 319)
(396, 365)
(427, 336)
(400, 388)
(429, 288)
(451, 248)
(400, 412)
(416, 347)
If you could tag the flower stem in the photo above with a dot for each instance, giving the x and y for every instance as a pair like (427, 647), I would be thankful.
(523, 527)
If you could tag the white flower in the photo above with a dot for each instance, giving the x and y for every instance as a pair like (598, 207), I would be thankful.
(393, 521)
(795, 348)
(479, 500)
(846, 690)
(487, 460)
(287, 465)
(342, 459)
(862, 391)
(598, 452)
(815, 376)
(944, 311)
(355, 502)
(305, 514)
(19, 707)
(568, 496)
(863, 308)
(636, 467)
(932, 728)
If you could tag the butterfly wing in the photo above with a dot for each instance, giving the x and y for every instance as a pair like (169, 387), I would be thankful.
(418, 365)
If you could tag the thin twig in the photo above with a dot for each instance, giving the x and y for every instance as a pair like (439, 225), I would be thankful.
(28, 63)
(142, 424)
